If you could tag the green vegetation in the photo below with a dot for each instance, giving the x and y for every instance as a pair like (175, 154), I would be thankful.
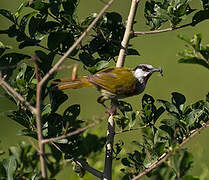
(53, 29)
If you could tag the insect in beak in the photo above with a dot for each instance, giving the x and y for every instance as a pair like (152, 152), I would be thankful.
(158, 70)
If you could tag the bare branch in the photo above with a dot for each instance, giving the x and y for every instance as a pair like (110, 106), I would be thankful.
(161, 31)
(78, 41)
(39, 131)
(9, 89)
(165, 156)
(70, 134)
(126, 37)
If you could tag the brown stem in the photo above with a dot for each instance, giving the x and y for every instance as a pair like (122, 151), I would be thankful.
(161, 30)
(70, 134)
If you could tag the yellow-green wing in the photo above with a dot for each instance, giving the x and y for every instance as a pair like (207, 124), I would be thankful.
(115, 80)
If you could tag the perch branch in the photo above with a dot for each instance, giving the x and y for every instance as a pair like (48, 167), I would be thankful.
(9, 89)
(126, 37)
(165, 156)
(111, 123)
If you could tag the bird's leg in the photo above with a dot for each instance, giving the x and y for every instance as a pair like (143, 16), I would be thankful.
(110, 111)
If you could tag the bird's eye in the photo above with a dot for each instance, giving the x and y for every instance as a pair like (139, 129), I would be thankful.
(144, 68)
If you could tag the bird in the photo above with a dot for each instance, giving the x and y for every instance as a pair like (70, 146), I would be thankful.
(114, 82)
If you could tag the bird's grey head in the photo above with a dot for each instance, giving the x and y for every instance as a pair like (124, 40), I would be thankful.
(143, 71)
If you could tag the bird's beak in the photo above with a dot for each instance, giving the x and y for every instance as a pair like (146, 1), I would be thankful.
(157, 70)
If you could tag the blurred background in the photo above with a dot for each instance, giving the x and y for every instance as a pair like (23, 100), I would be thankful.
(158, 50)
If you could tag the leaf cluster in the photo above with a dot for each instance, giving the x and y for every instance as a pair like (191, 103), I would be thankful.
(22, 163)
(165, 137)
(157, 13)
(195, 52)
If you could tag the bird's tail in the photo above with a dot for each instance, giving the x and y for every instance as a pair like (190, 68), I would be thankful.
(68, 83)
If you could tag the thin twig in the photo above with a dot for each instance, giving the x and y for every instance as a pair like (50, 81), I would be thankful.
(165, 156)
(161, 30)
(9, 89)
(126, 37)
(70, 134)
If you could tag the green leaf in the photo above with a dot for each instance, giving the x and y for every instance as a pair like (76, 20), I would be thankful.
(186, 163)
(46, 110)
(122, 122)
(167, 129)
(205, 4)
(41, 6)
(15, 151)
(132, 52)
(194, 60)
(55, 7)
(193, 116)
(126, 162)
(3, 48)
(72, 111)
(10, 165)
(169, 107)
(44, 60)
(8, 15)
(57, 98)
(190, 177)
(86, 22)
(200, 16)
(159, 148)
(124, 107)
(21, 8)
(178, 100)
(10, 60)
(98, 66)
(25, 20)
(70, 6)
(28, 42)
(60, 40)
(158, 113)
(87, 59)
